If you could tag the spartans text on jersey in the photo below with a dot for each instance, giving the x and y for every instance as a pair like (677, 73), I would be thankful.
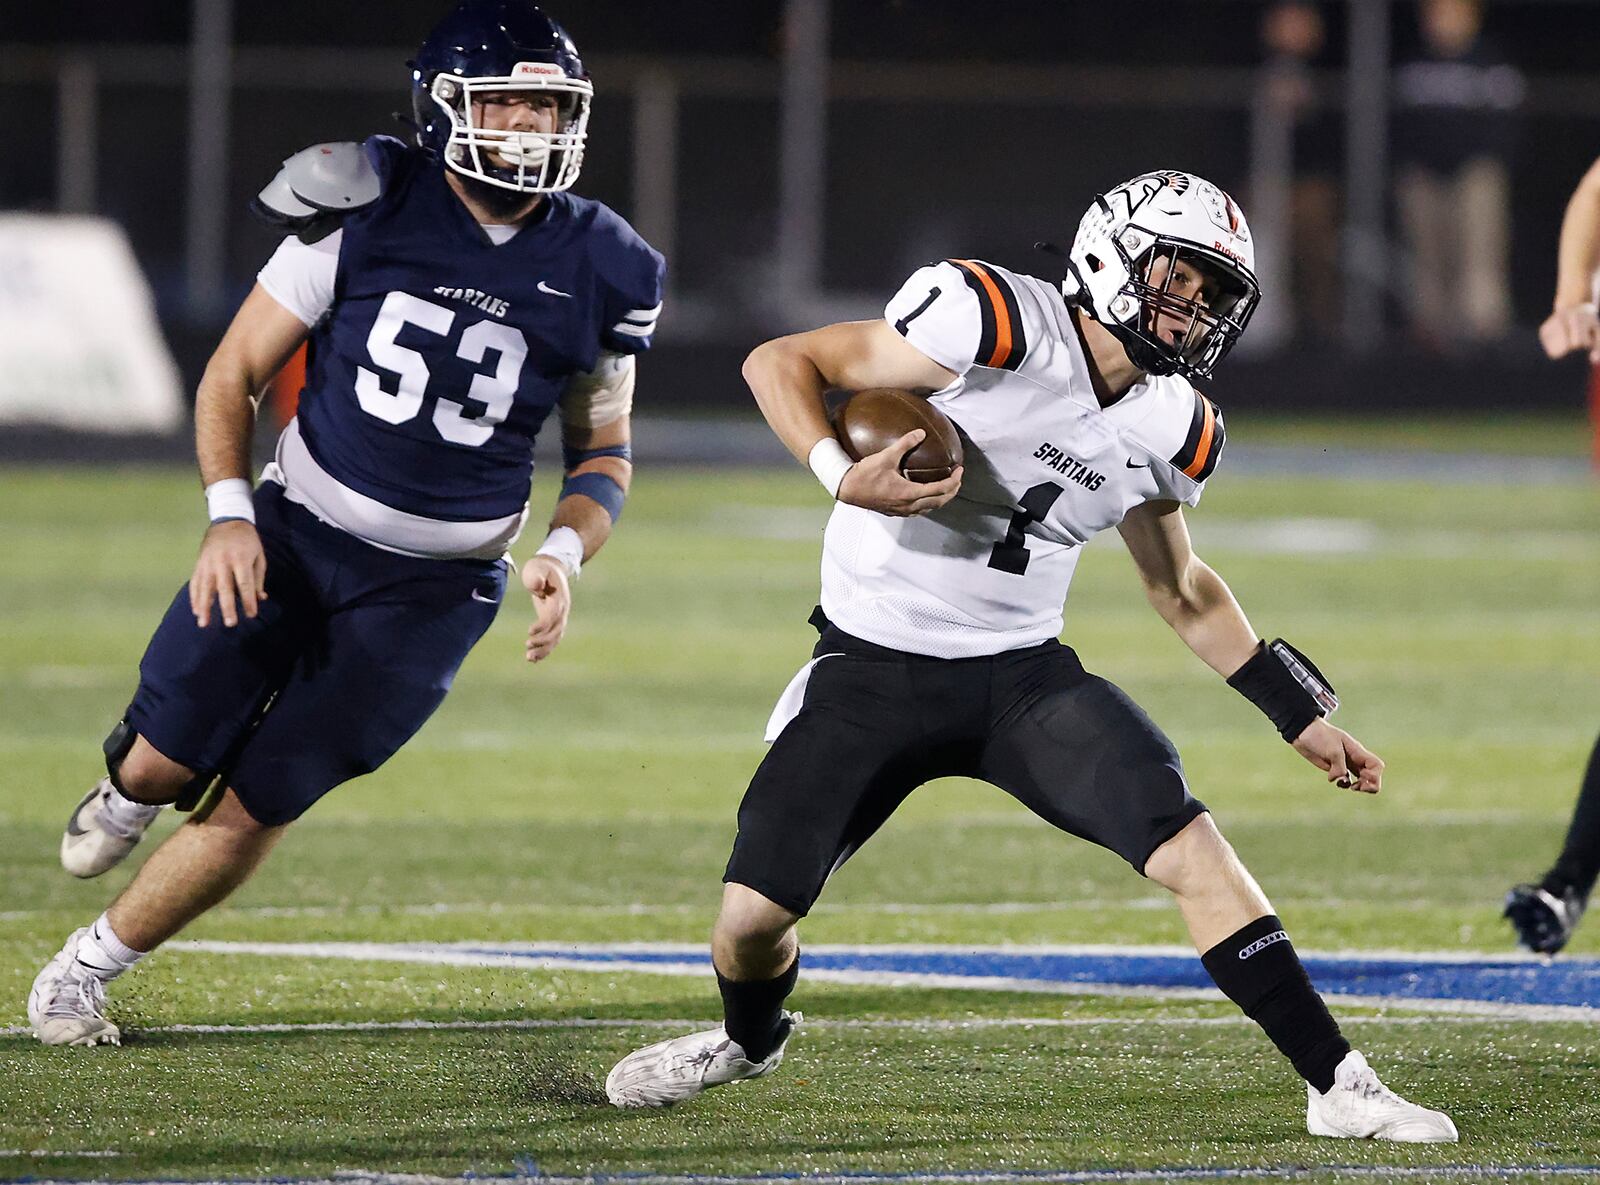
(1075, 470)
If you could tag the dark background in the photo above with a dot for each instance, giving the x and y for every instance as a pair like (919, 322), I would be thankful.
(930, 154)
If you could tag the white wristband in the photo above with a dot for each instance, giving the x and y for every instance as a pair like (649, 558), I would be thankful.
(230, 498)
(830, 463)
(566, 545)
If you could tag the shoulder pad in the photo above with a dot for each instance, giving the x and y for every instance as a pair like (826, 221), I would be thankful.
(1186, 431)
(317, 188)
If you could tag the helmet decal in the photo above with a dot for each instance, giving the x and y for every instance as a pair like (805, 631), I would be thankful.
(1165, 262)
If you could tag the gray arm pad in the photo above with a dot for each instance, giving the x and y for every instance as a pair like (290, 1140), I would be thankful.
(316, 188)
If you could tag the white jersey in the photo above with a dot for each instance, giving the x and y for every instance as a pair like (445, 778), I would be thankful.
(1047, 468)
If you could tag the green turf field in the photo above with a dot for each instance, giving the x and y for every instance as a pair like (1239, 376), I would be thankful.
(592, 798)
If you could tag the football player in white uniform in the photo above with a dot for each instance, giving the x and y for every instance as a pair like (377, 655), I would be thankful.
(941, 606)
(1545, 913)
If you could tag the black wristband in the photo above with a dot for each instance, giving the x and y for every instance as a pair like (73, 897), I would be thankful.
(1268, 681)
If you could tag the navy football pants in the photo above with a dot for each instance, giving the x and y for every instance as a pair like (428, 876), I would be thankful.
(353, 649)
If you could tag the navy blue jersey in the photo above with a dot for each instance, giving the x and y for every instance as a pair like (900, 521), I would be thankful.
(443, 353)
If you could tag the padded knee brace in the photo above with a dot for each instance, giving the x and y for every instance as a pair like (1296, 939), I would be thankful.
(116, 748)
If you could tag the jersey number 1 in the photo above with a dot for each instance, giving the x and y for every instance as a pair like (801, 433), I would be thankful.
(1011, 554)
(900, 325)
(495, 391)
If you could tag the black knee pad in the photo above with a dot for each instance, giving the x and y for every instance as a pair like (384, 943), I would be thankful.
(116, 748)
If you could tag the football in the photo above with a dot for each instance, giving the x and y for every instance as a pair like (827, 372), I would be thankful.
(870, 421)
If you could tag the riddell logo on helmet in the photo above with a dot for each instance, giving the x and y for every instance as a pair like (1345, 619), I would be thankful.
(1228, 251)
(537, 70)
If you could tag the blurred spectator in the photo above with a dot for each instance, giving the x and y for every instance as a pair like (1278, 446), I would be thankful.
(1295, 193)
(1453, 140)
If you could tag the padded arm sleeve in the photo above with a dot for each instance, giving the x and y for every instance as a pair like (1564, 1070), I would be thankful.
(600, 396)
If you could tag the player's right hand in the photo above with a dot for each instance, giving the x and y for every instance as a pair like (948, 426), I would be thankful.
(1576, 327)
(876, 483)
(231, 570)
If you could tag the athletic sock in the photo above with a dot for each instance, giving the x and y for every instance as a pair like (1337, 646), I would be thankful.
(753, 1010)
(102, 954)
(123, 816)
(1258, 970)
(1579, 862)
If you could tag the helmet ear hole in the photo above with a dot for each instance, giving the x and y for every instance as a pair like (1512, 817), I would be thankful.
(1095, 262)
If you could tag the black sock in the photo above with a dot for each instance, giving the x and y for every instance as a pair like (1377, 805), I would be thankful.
(1258, 970)
(753, 1009)
(1579, 862)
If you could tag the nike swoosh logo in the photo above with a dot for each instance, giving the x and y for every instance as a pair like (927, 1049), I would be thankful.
(72, 823)
(476, 596)
(549, 291)
(1131, 465)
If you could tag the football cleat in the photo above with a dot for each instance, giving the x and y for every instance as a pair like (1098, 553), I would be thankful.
(67, 1003)
(681, 1067)
(1544, 921)
(103, 829)
(1360, 1107)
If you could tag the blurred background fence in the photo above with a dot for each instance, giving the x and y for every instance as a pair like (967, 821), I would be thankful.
(1404, 165)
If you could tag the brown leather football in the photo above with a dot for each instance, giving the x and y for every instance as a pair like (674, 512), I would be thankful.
(870, 421)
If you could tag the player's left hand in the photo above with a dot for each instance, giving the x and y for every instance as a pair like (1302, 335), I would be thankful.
(1349, 764)
(545, 578)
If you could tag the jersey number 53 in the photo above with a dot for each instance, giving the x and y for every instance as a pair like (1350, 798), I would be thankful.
(494, 390)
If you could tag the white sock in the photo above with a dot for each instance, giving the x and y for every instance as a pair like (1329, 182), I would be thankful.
(121, 809)
(102, 954)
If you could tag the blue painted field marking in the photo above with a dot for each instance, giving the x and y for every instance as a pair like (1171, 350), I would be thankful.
(1519, 987)
(1572, 983)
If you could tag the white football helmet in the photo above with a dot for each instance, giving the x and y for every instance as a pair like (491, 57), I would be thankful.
(1182, 219)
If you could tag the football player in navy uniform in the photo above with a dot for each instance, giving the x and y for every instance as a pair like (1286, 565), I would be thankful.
(942, 604)
(1545, 913)
(453, 294)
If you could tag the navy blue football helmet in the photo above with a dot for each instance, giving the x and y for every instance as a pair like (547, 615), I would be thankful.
(501, 46)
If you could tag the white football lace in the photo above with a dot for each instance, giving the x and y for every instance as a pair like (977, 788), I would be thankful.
(1372, 1088)
(80, 994)
(702, 1058)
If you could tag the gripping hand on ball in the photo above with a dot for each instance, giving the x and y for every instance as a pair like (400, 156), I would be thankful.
(876, 483)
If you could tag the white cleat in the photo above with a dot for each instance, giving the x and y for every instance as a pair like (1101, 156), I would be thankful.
(680, 1068)
(1359, 1107)
(103, 829)
(67, 1003)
